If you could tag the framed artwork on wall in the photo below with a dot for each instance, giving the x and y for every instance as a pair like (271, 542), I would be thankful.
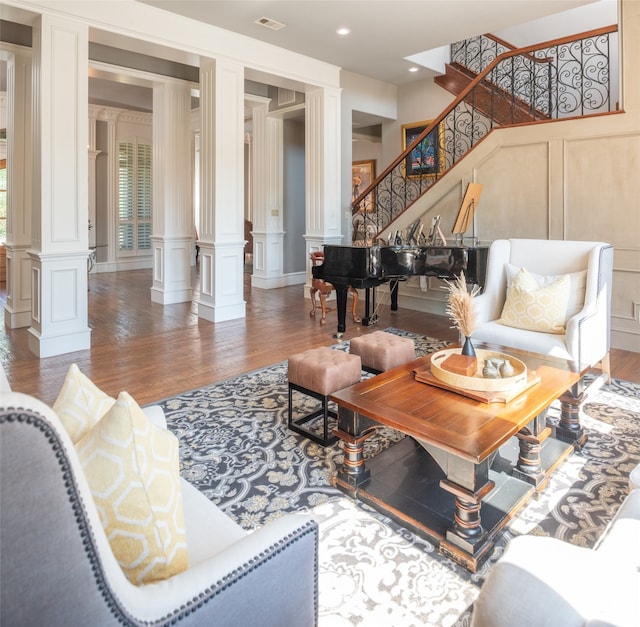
(427, 157)
(363, 173)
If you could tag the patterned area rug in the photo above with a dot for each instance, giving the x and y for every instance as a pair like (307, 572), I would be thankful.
(236, 448)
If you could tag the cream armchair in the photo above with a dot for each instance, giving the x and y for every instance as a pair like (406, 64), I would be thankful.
(547, 581)
(57, 567)
(585, 340)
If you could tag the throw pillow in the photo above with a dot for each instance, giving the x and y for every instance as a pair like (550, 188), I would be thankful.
(536, 308)
(132, 469)
(577, 286)
(80, 404)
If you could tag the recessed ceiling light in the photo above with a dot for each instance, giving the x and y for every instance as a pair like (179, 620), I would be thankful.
(413, 69)
(343, 30)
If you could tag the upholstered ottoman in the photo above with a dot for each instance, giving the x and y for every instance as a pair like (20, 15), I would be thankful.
(319, 372)
(381, 351)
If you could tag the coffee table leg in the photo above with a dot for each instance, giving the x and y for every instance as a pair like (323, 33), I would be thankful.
(466, 540)
(353, 473)
(569, 428)
(529, 465)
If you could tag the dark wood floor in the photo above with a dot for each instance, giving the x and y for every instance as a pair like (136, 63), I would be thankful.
(154, 351)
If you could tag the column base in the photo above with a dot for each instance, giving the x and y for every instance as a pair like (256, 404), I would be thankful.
(166, 297)
(215, 313)
(17, 319)
(59, 344)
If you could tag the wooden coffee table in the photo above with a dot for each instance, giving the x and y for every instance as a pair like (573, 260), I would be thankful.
(468, 465)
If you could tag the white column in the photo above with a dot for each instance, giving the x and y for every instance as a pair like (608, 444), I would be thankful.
(93, 155)
(221, 229)
(110, 263)
(17, 312)
(322, 171)
(268, 233)
(59, 317)
(172, 238)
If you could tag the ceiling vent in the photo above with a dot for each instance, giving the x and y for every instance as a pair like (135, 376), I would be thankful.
(269, 23)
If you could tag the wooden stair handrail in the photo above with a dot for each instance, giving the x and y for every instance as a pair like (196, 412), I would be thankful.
(465, 92)
(511, 47)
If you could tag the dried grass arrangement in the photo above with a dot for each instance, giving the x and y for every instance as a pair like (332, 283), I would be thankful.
(460, 306)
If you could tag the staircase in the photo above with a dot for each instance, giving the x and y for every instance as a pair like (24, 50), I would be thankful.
(496, 86)
(458, 78)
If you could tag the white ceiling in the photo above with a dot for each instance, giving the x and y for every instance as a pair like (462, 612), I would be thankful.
(383, 32)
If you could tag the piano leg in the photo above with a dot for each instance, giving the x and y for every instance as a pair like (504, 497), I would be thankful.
(341, 307)
(370, 315)
(393, 288)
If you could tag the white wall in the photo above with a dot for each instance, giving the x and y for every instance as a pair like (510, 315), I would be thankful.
(366, 96)
(580, 20)
(363, 149)
(417, 101)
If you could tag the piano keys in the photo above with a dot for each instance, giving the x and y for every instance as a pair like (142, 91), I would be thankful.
(366, 267)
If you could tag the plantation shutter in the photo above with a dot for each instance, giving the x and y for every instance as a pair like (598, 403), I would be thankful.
(134, 197)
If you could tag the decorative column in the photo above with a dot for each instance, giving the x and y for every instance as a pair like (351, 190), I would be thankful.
(59, 252)
(17, 312)
(108, 259)
(322, 171)
(93, 155)
(221, 229)
(172, 238)
(268, 233)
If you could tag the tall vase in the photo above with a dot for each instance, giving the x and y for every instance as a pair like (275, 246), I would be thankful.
(467, 347)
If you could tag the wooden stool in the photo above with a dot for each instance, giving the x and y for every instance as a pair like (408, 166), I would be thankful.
(381, 351)
(319, 372)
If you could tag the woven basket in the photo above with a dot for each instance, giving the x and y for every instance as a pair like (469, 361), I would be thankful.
(478, 382)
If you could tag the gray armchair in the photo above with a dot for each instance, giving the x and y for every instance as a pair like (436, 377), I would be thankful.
(586, 337)
(57, 567)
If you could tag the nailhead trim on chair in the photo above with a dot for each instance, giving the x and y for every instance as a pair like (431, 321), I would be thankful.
(77, 505)
(120, 615)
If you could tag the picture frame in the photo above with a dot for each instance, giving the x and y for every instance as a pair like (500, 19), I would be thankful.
(427, 157)
(467, 209)
(363, 173)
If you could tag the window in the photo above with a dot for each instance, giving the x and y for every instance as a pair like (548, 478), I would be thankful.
(3, 201)
(134, 198)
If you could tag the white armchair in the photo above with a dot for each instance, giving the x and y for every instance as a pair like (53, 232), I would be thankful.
(547, 581)
(585, 340)
(57, 567)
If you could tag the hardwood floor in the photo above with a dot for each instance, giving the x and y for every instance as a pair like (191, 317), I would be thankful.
(154, 351)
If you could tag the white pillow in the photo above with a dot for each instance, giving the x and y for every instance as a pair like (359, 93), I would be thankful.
(577, 287)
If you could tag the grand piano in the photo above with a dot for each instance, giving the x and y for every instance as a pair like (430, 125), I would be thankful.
(366, 267)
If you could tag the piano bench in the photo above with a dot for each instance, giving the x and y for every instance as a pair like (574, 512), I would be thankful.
(381, 351)
(319, 372)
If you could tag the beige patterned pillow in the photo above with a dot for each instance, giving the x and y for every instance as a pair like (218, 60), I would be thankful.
(132, 469)
(536, 308)
(577, 281)
(80, 404)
